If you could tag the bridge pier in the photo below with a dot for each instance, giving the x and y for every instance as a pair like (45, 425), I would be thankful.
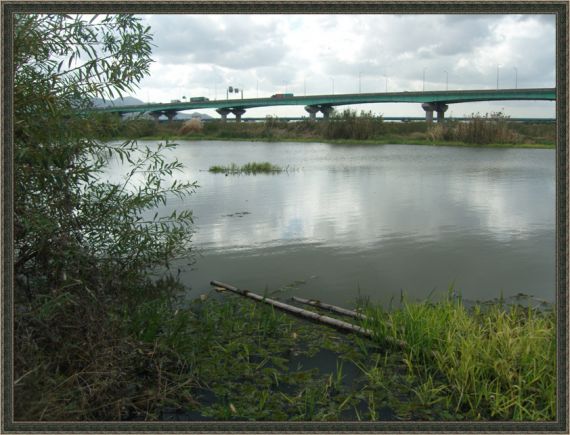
(312, 112)
(440, 108)
(155, 115)
(170, 114)
(429, 108)
(224, 113)
(326, 111)
(238, 112)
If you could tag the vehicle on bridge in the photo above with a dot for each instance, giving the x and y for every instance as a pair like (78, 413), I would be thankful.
(198, 99)
(174, 101)
(281, 95)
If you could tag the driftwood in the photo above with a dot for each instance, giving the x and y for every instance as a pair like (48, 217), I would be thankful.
(330, 307)
(339, 324)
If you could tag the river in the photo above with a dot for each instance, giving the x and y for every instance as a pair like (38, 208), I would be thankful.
(371, 221)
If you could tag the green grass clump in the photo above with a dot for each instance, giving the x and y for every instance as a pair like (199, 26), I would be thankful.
(248, 168)
(217, 169)
(492, 363)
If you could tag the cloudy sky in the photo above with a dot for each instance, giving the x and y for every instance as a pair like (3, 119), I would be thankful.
(201, 55)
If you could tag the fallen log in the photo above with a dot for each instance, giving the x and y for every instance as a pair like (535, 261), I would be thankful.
(339, 324)
(330, 307)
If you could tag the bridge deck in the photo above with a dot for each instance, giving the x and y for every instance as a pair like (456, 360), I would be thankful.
(446, 97)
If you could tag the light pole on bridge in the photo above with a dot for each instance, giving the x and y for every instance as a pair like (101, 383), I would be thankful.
(516, 76)
(446, 80)
(359, 82)
(424, 80)
(498, 66)
(332, 82)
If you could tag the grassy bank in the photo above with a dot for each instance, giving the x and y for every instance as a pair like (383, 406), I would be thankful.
(227, 358)
(488, 362)
(347, 127)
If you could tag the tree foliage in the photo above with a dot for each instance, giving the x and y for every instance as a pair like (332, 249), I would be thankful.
(70, 224)
(84, 247)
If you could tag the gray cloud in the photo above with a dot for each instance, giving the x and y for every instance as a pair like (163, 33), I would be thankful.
(411, 43)
(240, 44)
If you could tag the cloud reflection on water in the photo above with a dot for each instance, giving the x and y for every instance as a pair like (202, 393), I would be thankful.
(478, 214)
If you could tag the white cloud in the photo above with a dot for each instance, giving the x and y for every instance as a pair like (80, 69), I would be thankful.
(265, 54)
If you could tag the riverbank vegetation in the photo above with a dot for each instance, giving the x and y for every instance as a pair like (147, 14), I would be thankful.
(348, 126)
(249, 168)
(227, 358)
(492, 361)
(101, 330)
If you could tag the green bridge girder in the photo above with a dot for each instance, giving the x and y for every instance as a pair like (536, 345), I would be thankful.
(444, 97)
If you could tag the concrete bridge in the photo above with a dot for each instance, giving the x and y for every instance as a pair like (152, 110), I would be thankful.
(432, 101)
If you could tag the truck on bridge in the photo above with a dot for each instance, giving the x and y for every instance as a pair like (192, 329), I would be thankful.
(281, 95)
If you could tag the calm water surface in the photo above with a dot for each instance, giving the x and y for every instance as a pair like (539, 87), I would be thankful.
(372, 220)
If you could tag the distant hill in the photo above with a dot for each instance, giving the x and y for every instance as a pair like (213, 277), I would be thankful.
(126, 101)
(132, 101)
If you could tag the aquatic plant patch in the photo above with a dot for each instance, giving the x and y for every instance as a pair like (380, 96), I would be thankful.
(248, 168)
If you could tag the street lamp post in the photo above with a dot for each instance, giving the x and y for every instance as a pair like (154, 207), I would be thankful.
(424, 80)
(446, 80)
(332, 82)
(386, 77)
(516, 76)
(498, 66)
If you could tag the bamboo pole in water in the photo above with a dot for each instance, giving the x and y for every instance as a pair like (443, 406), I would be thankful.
(334, 308)
(339, 324)
(330, 307)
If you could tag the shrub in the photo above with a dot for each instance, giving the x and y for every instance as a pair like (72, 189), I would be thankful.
(482, 130)
(193, 125)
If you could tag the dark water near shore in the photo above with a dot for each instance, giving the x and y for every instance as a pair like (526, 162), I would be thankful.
(372, 220)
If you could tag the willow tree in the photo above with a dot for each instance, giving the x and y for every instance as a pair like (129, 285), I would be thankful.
(83, 245)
